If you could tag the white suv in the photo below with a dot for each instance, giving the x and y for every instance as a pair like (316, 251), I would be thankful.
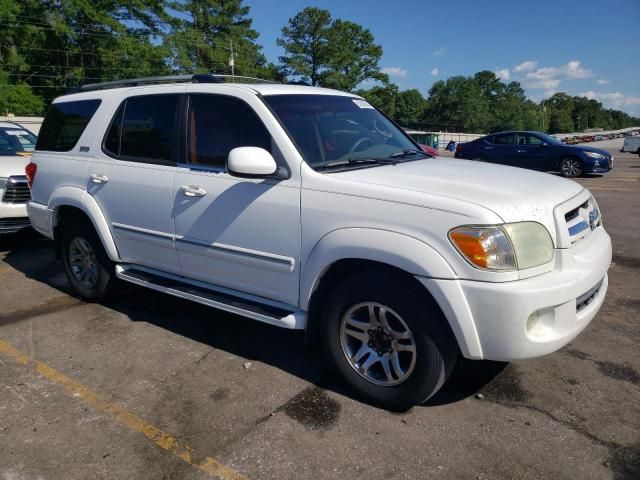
(309, 209)
(16, 146)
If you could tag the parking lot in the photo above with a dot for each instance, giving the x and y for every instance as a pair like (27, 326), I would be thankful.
(153, 387)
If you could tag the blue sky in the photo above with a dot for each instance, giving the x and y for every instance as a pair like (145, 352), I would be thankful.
(584, 47)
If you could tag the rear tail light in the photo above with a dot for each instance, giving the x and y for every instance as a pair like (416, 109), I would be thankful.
(30, 171)
(459, 147)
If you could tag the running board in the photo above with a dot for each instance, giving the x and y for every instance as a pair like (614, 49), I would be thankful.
(264, 310)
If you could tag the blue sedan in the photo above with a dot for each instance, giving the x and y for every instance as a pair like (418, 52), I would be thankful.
(536, 151)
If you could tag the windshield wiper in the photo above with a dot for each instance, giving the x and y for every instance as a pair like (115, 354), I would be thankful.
(408, 152)
(356, 161)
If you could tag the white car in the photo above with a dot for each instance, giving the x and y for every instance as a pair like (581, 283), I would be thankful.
(16, 146)
(307, 208)
(631, 144)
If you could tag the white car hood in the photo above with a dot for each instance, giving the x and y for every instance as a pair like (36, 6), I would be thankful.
(514, 194)
(13, 165)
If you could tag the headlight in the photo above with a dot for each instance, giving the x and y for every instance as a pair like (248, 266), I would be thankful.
(598, 156)
(3, 182)
(512, 246)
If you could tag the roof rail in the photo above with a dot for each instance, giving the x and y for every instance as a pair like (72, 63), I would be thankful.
(195, 78)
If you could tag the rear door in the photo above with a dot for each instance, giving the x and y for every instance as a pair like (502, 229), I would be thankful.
(132, 174)
(504, 149)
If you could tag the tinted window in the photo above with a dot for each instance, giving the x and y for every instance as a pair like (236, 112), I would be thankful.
(148, 128)
(112, 140)
(14, 141)
(505, 139)
(217, 125)
(64, 123)
(335, 129)
(530, 140)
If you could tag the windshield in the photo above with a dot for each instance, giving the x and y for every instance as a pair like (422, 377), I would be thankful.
(338, 130)
(16, 141)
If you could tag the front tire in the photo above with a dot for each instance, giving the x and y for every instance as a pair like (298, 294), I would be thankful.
(571, 167)
(388, 339)
(88, 268)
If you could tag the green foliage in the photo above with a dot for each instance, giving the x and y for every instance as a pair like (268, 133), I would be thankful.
(332, 53)
(206, 31)
(305, 40)
(383, 97)
(410, 106)
(50, 46)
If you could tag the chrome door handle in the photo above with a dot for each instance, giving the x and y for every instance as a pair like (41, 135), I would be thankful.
(98, 178)
(193, 191)
(520, 151)
(488, 148)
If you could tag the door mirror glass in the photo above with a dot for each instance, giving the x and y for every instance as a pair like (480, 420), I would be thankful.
(251, 162)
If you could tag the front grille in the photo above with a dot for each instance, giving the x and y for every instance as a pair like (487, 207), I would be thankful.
(13, 224)
(16, 190)
(585, 299)
(582, 220)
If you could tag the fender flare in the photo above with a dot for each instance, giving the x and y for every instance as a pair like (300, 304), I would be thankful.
(398, 250)
(80, 199)
(401, 251)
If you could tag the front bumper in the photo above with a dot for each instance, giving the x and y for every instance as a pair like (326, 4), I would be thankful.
(13, 217)
(531, 317)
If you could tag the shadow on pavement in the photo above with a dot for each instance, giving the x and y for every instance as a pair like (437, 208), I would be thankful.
(33, 255)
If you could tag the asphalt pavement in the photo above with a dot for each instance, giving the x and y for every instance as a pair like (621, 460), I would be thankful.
(152, 387)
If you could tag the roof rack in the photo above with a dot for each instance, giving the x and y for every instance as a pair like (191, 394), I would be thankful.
(195, 78)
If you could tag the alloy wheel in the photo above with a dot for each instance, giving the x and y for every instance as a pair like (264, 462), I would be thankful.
(83, 262)
(378, 344)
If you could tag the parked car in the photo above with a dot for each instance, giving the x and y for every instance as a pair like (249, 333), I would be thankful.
(307, 208)
(430, 150)
(536, 151)
(631, 144)
(16, 145)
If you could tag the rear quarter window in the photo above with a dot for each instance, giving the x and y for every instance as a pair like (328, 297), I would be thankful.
(64, 123)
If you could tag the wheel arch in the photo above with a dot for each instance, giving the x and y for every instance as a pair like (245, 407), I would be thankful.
(70, 204)
(345, 252)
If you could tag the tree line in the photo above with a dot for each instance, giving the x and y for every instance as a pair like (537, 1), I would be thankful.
(50, 46)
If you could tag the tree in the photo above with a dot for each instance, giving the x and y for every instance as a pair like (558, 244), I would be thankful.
(305, 41)
(352, 57)
(209, 32)
(383, 97)
(457, 104)
(410, 106)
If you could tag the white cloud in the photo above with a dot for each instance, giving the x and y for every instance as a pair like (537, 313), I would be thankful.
(549, 78)
(435, 72)
(525, 66)
(395, 72)
(439, 52)
(602, 81)
(612, 99)
(503, 73)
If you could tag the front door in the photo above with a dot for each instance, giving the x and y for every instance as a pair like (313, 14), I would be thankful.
(533, 153)
(131, 178)
(237, 233)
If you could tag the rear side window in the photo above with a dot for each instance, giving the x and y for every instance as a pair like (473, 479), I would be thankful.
(144, 128)
(505, 139)
(64, 124)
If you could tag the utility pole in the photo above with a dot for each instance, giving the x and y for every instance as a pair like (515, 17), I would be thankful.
(232, 60)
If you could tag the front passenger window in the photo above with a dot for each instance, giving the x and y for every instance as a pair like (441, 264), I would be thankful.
(217, 124)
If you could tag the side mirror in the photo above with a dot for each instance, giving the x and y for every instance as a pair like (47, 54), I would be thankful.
(252, 162)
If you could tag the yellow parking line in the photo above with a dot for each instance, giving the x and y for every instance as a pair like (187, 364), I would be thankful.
(169, 443)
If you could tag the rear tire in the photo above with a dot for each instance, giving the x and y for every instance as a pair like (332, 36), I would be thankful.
(90, 271)
(571, 167)
(386, 337)
(478, 158)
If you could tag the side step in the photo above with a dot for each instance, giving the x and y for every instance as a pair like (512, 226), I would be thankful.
(264, 310)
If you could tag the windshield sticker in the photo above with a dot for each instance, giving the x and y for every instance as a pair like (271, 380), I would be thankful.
(362, 103)
(16, 132)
